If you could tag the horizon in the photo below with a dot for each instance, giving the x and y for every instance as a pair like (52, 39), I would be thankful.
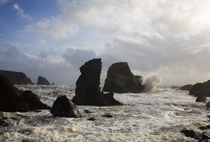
(54, 38)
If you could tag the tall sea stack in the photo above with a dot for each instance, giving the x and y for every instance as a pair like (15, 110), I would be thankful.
(87, 86)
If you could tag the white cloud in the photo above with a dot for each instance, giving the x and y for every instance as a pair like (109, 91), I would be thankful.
(21, 12)
(170, 38)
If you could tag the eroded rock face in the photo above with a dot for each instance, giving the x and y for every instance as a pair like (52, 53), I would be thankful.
(201, 89)
(87, 86)
(63, 107)
(42, 81)
(120, 79)
(18, 78)
(12, 99)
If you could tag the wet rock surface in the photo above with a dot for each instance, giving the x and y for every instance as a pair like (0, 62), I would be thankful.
(63, 107)
(18, 78)
(42, 81)
(120, 79)
(87, 86)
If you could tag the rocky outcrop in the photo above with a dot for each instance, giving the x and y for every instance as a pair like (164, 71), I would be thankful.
(201, 89)
(201, 99)
(42, 81)
(195, 135)
(208, 105)
(12, 99)
(186, 87)
(87, 86)
(63, 107)
(18, 78)
(120, 79)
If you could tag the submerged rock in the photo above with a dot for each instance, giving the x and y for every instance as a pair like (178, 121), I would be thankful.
(201, 89)
(186, 87)
(120, 79)
(195, 135)
(208, 105)
(201, 99)
(87, 86)
(18, 78)
(42, 81)
(63, 107)
(12, 99)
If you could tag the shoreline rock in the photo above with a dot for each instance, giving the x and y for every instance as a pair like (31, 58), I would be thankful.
(12, 99)
(18, 78)
(201, 89)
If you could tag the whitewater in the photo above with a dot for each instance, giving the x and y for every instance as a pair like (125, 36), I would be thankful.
(145, 117)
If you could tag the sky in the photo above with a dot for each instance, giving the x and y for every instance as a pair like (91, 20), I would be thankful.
(53, 38)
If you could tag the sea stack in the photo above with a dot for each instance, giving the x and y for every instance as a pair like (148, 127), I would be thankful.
(120, 79)
(42, 81)
(17, 78)
(87, 86)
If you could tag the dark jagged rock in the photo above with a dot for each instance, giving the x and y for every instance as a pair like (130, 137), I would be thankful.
(201, 99)
(195, 135)
(120, 79)
(33, 100)
(208, 105)
(91, 119)
(63, 107)
(87, 111)
(87, 86)
(107, 115)
(186, 87)
(201, 89)
(207, 127)
(18, 78)
(12, 99)
(42, 81)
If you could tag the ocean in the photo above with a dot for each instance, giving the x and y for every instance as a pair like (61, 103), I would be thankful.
(145, 117)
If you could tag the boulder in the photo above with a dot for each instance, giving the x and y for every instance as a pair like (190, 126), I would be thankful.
(42, 81)
(120, 79)
(12, 99)
(201, 89)
(18, 78)
(186, 87)
(87, 86)
(201, 99)
(63, 107)
(208, 105)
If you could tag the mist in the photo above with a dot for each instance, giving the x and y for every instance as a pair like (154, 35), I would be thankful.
(151, 83)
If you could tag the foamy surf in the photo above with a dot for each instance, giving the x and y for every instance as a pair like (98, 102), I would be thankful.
(157, 116)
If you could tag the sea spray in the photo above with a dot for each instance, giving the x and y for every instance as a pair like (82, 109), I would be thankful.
(151, 83)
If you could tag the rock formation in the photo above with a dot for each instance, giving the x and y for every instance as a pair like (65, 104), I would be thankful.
(87, 86)
(42, 81)
(201, 99)
(18, 78)
(120, 79)
(201, 89)
(63, 107)
(186, 87)
(208, 105)
(12, 99)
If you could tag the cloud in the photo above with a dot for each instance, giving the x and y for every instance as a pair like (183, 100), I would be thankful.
(2, 2)
(77, 57)
(169, 38)
(21, 12)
